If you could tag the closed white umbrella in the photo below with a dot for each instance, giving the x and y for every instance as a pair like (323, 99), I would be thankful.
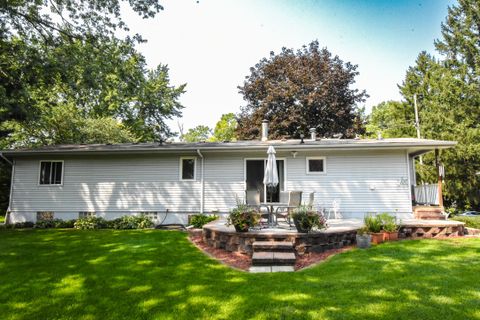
(270, 179)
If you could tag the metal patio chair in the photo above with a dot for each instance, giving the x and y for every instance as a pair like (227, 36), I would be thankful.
(294, 200)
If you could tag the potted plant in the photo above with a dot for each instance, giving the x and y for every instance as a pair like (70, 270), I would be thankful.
(374, 226)
(243, 217)
(363, 238)
(389, 226)
(305, 218)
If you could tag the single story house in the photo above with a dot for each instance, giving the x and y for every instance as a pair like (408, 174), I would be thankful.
(168, 181)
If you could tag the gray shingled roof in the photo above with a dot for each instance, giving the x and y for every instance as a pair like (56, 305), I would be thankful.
(237, 145)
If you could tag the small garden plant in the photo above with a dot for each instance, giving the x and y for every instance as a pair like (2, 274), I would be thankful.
(243, 217)
(306, 218)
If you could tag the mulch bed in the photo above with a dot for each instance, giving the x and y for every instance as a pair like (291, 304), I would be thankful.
(233, 259)
(243, 262)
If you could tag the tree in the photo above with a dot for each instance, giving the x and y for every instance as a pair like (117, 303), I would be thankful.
(448, 92)
(101, 78)
(225, 128)
(393, 119)
(197, 134)
(299, 90)
(71, 18)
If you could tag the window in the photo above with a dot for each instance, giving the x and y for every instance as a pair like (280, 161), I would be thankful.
(316, 165)
(86, 214)
(44, 215)
(187, 168)
(51, 172)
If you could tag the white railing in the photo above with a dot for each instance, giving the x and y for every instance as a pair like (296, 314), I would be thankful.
(426, 194)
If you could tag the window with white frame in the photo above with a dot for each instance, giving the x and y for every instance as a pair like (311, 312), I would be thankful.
(45, 215)
(187, 168)
(316, 165)
(86, 214)
(51, 172)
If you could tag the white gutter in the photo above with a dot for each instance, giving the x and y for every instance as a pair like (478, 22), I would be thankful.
(202, 184)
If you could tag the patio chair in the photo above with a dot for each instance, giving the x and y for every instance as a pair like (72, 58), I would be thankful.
(253, 200)
(335, 210)
(294, 200)
(311, 200)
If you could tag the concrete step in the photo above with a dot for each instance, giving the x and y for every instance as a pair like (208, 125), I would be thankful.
(267, 258)
(263, 269)
(278, 246)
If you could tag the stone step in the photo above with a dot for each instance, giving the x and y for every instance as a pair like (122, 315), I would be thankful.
(267, 258)
(278, 246)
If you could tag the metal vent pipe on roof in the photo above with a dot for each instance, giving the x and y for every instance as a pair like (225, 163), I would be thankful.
(265, 130)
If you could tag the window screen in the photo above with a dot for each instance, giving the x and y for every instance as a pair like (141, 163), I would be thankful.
(188, 169)
(316, 165)
(51, 172)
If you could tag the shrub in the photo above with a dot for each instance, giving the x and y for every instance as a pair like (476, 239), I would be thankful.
(90, 223)
(55, 223)
(199, 220)
(470, 222)
(305, 219)
(20, 225)
(131, 222)
(243, 217)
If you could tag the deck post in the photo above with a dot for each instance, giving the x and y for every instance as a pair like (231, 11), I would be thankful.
(439, 174)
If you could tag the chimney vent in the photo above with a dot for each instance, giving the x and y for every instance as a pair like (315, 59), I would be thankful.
(313, 134)
(265, 130)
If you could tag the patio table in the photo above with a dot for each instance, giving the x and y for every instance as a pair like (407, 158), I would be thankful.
(270, 207)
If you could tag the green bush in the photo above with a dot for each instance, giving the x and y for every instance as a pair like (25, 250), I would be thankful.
(199, 220)
(388, 222)
(471, 222)
(20, 225)
(131, 222)
(55, 223)
(306, 218)
(243, 217)
(90, 223)
(373, 223)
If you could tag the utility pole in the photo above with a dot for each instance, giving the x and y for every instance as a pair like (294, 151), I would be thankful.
(417, 122)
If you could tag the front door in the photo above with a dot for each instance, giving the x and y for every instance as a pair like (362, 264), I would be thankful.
(255, 170)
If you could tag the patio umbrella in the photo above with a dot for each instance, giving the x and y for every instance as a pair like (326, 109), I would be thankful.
(270, 178)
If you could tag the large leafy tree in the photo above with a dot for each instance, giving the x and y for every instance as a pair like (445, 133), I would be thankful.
(197, 134)
(66, 78)
(225, 128)
(299, 90)
(448, 96)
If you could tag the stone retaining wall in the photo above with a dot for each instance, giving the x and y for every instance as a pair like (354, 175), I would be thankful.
(419, 232)
(303, 243)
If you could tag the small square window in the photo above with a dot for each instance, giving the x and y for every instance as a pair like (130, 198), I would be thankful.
(86, 214)
(187, 168)
(51, 172)
(316, 165)
(45, 215)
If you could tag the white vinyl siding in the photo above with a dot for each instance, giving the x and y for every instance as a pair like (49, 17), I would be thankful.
(113, 186)
(117, 185)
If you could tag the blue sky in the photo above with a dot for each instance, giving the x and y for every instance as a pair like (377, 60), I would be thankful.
(211, 44)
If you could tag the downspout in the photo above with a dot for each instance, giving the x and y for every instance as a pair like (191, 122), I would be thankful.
(202, 184)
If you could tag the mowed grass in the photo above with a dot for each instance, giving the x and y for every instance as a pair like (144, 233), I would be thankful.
(108, 274)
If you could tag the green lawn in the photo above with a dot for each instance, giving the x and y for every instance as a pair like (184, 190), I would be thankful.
(108, 274)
